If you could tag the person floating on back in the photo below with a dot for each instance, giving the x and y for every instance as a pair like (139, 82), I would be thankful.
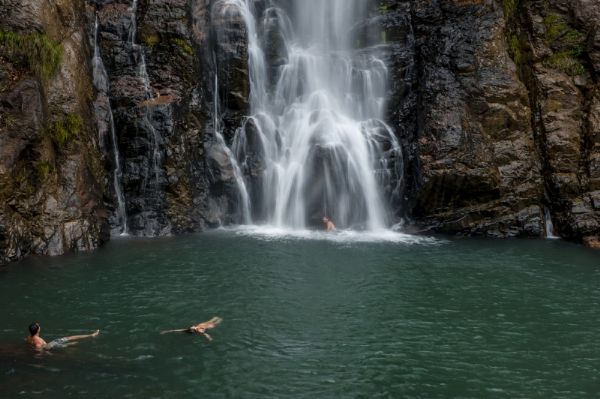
(38, 342)
(199, 328)
(328, 224)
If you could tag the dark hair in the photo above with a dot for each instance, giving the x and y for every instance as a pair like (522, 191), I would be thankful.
(34, 328)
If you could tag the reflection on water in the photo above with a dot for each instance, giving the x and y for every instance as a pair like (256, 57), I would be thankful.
(337, 316)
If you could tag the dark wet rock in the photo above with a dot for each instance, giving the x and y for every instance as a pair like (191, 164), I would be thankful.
(50, 188)
(477, 169)
(160, 128)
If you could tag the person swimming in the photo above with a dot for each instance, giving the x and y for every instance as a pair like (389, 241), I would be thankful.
(199, 328)
(328, 224)
(38, 342)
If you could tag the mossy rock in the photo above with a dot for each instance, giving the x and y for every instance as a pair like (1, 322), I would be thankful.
(148, 36)
(184, 45)
(567, 44)
(65, 129)
(510, 8)
(42, 55)
(44, 168)
(564, 61)
(514, 47)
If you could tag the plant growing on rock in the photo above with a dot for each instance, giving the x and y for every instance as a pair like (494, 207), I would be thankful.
(44, 168)
(510, 8)
(65, 129)
(8, 120)
(41, 54)
(566, 43)
(184, 45)
(514, 46)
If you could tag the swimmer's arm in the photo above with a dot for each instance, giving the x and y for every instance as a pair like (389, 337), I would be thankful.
(208, 337)
(172, 331)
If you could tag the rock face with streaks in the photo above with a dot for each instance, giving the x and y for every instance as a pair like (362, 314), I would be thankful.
(503, 97)
(51, 169)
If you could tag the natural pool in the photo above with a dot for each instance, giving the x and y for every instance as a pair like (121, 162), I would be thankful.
(336, 316)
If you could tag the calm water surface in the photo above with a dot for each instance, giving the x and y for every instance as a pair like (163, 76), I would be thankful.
(308, 318)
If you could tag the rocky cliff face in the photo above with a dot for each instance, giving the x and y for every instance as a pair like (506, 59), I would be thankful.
(504, 96)
(51, 170)
(496, 105)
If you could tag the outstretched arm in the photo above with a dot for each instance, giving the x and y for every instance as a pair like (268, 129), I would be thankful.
(208, 337)
(172, 331)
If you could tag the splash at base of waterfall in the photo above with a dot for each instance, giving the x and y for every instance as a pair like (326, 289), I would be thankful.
(549, 226)
(273, 233)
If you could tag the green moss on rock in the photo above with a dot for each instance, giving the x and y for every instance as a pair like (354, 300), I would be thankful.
(42, 55)
(510, 8)
(184, 45)
(65, 129)
(514, 46)
(567, 44)
(150, 39)
(564, 61)
(44, 168)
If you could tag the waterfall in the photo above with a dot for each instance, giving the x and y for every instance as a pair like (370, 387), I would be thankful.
(241, 185)
(148, 93)
(101, 83)
(549, 225)
(315, 143)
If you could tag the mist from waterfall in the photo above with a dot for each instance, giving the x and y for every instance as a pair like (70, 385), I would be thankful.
(315, 144)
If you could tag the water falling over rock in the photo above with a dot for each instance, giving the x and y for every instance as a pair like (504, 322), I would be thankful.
(315, 143)
(103, 103)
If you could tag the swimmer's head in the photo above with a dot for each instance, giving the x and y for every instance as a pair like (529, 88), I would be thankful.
(34, 329)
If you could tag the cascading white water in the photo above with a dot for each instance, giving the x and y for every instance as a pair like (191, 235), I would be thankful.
(318, 127)
(549, 225)
(244, 199)
(101, 83)
(148, 92)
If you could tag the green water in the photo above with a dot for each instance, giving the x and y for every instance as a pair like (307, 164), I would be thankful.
(308, 319)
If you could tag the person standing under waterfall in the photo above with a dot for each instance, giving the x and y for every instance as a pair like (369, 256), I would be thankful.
(328, 224)
(38, 342)
(199, 328)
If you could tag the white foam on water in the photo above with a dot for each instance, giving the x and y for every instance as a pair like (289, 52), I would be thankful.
(275, 233)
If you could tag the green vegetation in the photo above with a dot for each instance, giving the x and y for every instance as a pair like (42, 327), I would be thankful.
(514, 46)
(565, 62)
(567, 45)
(510, 8)
(8, 120)
(184, 45)
(65, 129)
(559, 32)
(44, 168)
(150, 39)
(42, 55)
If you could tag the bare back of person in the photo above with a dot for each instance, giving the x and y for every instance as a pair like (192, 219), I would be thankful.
(39, 343)
(199, 328)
